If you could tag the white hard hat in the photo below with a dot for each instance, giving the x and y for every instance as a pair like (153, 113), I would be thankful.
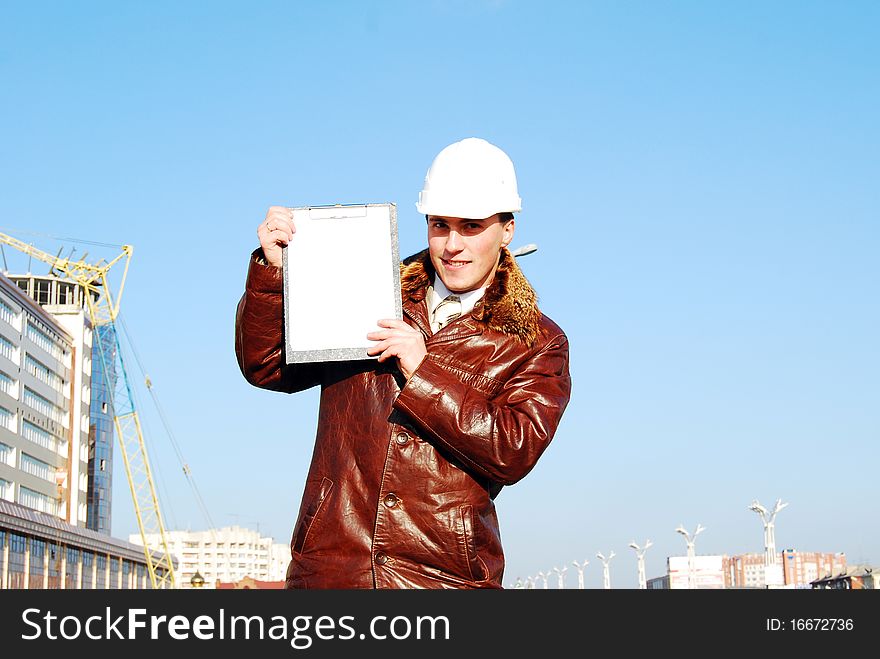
(472, 179)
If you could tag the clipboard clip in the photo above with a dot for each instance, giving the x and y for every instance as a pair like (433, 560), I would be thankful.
(337, 212)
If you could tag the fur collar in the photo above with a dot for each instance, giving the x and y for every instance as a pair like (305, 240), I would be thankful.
(509, 305)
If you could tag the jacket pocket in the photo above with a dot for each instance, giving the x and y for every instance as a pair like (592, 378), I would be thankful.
(476, 568)
(305, 525)
(466, 374)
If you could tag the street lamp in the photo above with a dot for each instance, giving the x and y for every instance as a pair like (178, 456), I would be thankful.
(605, 572)
(640, 553)
(580, 568)
(769, 521)
(525, 250)
(559, 573)
(692, 577)
(543, 576)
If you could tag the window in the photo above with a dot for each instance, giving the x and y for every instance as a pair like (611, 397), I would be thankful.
(43, 373)
(38, 551)
(88, 561)
(37, 500)
(45, 341)
(7, 489)
(42, 405)
(42, 291)
(72, 568)
(127, 571)
(101, 567)
(54, 577)
(30, 465)
(7, 419)
(8, 350)
(7, 385)
(15, 567)
(38, 436)
(114, 573)
(66, 293)
(7, 454)
(7, 313)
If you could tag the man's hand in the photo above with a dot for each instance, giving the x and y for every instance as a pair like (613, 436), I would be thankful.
(275, 232)
(397, 339)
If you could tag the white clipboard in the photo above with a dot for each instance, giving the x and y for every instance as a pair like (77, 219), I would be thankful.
(341, 275)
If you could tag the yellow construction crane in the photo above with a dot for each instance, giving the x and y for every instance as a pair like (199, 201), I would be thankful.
(103, 310)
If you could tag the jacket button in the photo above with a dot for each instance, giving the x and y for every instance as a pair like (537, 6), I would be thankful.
(381, 558)
(402, 438)
(390, 500)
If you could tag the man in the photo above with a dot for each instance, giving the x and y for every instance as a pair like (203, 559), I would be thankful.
(464, 396)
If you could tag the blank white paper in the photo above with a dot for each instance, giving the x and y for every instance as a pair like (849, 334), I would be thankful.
(341, 275)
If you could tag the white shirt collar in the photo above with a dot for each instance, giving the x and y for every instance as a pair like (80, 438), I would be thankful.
(439, 293)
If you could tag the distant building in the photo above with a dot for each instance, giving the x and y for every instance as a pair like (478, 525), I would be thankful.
(227, 555)
(799, 569)
(746, 571)
(708, 572)
(658, 583)
(855, 577)
(796, 570)
(249, 584)
(65, 301)
(41, 551)
(45, 369)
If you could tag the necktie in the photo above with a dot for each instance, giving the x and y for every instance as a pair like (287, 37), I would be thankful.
(448, 310)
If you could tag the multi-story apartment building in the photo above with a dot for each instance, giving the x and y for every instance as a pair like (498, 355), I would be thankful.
(51, 464)
(45, 367)
(798, 569)
(64, 302)
(228, 554)
(802, 568)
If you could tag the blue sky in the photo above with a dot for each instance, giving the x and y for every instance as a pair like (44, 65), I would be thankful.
(701, 179)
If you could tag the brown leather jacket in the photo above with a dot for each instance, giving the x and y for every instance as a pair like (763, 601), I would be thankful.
(401, 485)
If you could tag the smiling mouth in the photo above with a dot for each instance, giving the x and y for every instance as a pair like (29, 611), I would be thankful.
(454, 264)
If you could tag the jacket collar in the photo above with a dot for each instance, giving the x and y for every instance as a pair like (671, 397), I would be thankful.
(509, 305)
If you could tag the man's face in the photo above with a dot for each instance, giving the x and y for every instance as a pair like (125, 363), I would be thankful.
(465, 252)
